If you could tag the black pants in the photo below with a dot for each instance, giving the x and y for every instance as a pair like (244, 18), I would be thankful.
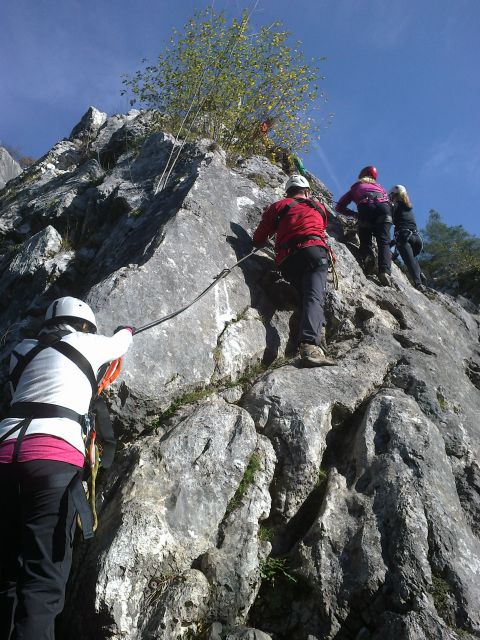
(409, 245)
(36, 534)
(307, 270)
(374, 220)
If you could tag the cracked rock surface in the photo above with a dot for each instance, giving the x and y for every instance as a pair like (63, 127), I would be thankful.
(250, 498)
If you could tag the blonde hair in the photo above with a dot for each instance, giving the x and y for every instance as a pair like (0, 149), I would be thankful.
(398, 192)
(403, 196)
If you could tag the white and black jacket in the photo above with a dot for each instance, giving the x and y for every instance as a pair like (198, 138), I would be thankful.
(52, 378)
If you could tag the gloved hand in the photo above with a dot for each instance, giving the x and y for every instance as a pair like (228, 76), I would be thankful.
(123, 326)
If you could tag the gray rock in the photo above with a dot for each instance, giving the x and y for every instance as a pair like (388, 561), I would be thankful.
(296, 408)
(36, 265)
(176, 490)
(248, 634)
(104, 134)
(384, 518)
(415, 626)
(232, 394)
(174, 270)
(68, 199)
(233, 567)
(370, 466)
(9, 168)
(179, 609)
(33, 255)
(65, 156)
(214, 633)
(240, 345)
(89, 124)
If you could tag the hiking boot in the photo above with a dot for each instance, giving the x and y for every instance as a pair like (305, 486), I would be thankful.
(385, 279)
(369, 265)
(313, 356)
(421, 287)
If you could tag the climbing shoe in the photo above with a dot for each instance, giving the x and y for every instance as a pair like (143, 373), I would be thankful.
(313, 356)
(385, 279)
(368, 265)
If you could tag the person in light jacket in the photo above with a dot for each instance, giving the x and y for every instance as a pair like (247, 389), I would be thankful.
(406, 237)
(42, 452)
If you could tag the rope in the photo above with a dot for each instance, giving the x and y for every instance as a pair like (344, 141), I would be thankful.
(94, 466)
(94, 451)
(223, 274)
(160, 183)
(93, 457)
(334, 275)
(182, 123)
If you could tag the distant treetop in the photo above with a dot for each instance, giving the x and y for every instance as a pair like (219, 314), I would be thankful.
(451, 258)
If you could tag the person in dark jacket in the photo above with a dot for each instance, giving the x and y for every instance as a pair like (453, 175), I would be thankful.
(406, 237)
(302, 253)
(42, 452)
(374, 219)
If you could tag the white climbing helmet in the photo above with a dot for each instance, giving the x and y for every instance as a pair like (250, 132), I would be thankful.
(398, 189)
(297, 181)
(68, 308)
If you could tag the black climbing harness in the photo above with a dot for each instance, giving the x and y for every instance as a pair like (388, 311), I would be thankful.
(373, 197)
(402, 237)
(296, 201)
(96, 419)
(292, 244)
(28, 411)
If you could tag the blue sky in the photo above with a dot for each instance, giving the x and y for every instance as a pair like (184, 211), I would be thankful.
(402, 78)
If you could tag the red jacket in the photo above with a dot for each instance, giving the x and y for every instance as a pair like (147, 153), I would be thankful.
(300, 220)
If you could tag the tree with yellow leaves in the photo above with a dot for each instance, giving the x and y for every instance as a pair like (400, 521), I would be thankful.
(222, 80)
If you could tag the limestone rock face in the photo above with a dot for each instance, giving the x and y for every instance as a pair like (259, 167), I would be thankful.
(233, 567)
(248, 634)
(249, 498)
(9, 168)
(89, 125)
(37, 262)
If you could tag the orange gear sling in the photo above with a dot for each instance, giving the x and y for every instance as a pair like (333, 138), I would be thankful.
(94, 449)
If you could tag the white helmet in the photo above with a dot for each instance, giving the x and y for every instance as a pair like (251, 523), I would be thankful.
(297, 181)
(397, 190)
(68, 308)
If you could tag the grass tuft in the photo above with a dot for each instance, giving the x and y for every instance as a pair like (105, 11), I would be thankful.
(248, 477)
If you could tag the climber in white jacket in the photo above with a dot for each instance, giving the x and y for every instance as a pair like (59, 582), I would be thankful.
(42, 452)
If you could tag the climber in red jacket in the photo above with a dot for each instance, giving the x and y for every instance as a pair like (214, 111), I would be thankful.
(302, 253)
